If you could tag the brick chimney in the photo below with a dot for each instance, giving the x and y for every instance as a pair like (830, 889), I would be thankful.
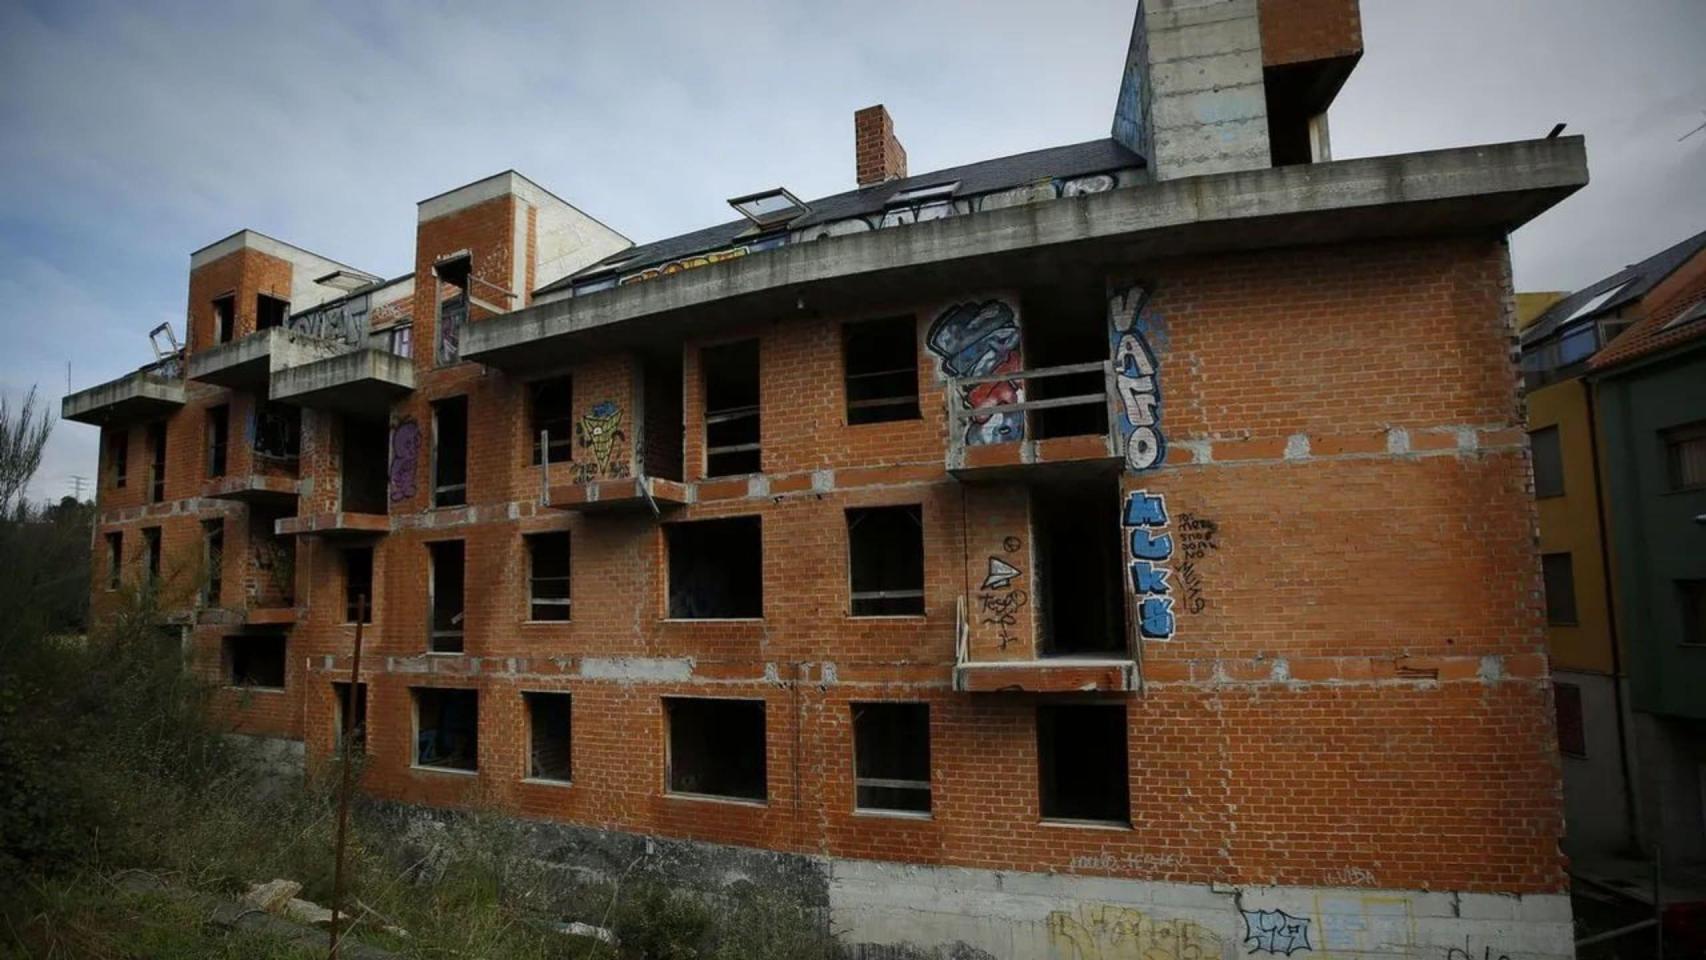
(880, 157)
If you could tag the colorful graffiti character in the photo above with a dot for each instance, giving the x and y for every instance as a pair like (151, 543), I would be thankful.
(599, 430)
(405, 453)
(980, 340)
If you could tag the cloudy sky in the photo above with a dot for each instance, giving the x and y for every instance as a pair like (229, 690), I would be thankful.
(131, 138)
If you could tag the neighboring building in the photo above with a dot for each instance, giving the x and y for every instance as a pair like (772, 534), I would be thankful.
(1617, 421)
(1097, 551)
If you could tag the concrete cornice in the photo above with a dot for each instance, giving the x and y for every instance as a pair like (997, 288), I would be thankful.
(1490, 188)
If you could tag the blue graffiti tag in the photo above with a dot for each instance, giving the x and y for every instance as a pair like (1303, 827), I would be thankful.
(1150, 547)
(1137, 380)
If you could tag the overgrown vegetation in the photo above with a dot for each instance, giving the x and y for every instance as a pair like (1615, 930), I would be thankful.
(109, 764)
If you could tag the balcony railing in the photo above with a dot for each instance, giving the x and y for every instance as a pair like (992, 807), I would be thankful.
(992, 424)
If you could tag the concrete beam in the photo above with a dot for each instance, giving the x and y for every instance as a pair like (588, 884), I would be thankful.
(129, 399)
(1485, 189)
(248, 363)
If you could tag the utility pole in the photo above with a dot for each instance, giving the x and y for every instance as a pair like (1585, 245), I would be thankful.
(77, 482)
(348, 761)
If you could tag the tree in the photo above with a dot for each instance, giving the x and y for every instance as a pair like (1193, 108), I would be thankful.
(23, 435)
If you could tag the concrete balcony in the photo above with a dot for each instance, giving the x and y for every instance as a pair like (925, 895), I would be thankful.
(334, 525)
(1066, 433)
(640, 493)
(133, 398)
(1053, 675)
(253, 488)
(364, 382)
(248, 364)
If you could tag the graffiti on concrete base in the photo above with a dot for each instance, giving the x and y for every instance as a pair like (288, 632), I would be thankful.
(998, 601)
(1105, 931)
(599, 432)
(1487, 953)
(1275, 931)
(1150, 547)
(1138, 423)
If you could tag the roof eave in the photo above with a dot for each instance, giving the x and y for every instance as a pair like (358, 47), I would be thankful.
(1494, 187)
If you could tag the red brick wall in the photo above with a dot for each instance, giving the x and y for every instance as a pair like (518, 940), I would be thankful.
(1356, 691)
(1297, 31)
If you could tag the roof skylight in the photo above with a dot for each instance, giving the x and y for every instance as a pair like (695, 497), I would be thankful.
(935, 191)
(769, 208)
(1593, 306)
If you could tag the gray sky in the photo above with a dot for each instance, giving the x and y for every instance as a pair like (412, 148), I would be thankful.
(132, 138)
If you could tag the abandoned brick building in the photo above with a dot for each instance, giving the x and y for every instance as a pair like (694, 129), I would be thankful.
(1096, 552)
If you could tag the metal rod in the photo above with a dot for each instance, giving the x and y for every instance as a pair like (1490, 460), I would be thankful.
(1613, 934)
(348, 774)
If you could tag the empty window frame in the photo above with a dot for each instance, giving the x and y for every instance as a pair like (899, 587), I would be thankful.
(1082, 762)
(547, 576)
(1559, 575)
(115, 559)
(1691, 595)
(278, 430)
(880, 359)
(358, 584)
(255, 661)
(885, 560)
(364, 465)
(716, 569)
(1567, 705)
(156, 462)
(218, 437)
(213, 559)
(450, 452)
(151, 553)
(730, 372)
(344, 723)
(551, 409)
(453, 276)
(118, 456)
(224, 318)
(891, 757)
(270, 311)
(447, 728)
(446, 560)
(1548, 462)
(1685, 455)
(550, 752)
(716, 747)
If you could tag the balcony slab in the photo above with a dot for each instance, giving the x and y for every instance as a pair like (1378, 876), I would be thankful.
(336, 524)
(133, 398)
(1065, 675)
(639, 493)
(364, 382)
(252, 488)
(248, 364)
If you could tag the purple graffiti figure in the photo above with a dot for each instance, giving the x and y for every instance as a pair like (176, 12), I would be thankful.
(405, 451)
(980, 340)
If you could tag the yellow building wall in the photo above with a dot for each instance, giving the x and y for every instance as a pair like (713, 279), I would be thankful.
(1529, 306)
(1568, 524)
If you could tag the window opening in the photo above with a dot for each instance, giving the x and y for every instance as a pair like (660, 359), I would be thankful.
(885, 547)
(716, 569)
(731, 408)
(891, 748)
(717, 747)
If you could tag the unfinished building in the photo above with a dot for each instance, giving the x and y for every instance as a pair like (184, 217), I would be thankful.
(1101, 551)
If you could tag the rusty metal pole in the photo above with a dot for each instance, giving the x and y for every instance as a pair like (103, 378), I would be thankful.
(347, 773)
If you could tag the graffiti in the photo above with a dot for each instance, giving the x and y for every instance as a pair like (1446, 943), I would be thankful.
(1130, 862)
(998, 602)
(1001, 574)
(1151, 547)
(452, 315)
(1138, 384)
(1083, 186)
(1365, 923)
(599, 431)
(981, 340)
(344, 321)
(1350, 877)
(1196, 539)
(405, 453)
(1275, 931)
(703, 260)
(1487, 953)
(1102, 931)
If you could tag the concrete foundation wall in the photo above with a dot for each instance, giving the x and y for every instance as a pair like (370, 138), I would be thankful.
(882, 909)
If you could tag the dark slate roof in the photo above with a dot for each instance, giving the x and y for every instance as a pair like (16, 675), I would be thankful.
(1635, 280)
(987, 176)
